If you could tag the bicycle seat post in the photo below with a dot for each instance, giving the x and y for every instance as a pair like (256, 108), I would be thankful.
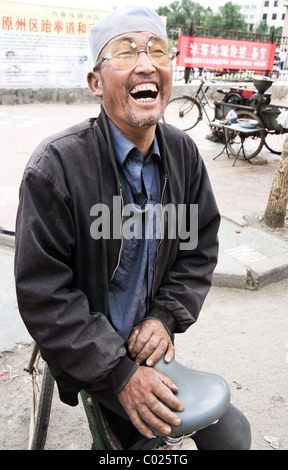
(176, 442)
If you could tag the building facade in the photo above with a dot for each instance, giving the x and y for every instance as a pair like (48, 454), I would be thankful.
(255, 11)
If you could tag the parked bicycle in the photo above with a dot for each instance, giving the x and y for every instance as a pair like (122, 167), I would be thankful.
(186, 111)
(205, 406)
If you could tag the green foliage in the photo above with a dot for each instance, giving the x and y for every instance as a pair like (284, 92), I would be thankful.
(262, 27)
(184, 13)
(277, 31)
(231, 17)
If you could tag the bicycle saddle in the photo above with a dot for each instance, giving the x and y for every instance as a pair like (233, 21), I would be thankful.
(205, 396)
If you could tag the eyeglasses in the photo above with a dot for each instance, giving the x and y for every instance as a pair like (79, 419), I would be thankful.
(123, 53)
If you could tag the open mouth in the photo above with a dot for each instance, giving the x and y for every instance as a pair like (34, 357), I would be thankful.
(145, 93)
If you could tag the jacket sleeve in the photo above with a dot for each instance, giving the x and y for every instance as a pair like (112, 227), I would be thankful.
(184, 285)
(82, 345)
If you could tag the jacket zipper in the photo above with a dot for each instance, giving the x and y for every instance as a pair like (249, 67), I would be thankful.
(122, 238)
(160, 242)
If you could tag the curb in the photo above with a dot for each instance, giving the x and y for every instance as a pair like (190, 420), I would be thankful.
(273, 270)
(251, 277)
(230, 272)
(7, 240)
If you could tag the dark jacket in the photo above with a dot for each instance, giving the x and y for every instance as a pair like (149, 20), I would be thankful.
(63, 273)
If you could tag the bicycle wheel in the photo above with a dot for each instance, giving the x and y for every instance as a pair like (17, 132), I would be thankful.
(252, 144)
(274, 142)
(183, 112)
(43, 385)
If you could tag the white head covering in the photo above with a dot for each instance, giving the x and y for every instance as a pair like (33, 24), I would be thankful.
(126, 19)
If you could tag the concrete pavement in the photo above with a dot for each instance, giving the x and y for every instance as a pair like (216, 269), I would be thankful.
(250, 257)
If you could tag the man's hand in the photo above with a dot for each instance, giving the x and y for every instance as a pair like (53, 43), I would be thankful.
(149, 341)
(144, 399)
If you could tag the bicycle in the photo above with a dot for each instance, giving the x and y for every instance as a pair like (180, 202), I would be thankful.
(186, 111)
(204, 407)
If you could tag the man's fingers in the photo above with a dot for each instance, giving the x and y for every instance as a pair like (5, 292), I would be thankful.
(139, 424)
(162, 411)
(167, 381)
(154, 416)
(170, 353)
(132, 339)
(149, 401)
(166, 348)
(149, 342)
(152, 350)
(166, 393)
(147, 423)
(137, 341)
(145, 338)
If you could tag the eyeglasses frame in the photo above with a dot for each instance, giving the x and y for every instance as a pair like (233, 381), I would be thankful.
(109, 56)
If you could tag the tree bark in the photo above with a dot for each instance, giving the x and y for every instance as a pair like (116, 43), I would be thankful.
(275, 212)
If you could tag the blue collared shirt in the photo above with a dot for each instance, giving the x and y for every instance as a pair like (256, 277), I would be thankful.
(131, 285)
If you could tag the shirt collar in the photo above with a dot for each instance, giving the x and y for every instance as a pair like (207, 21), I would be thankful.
(123, 146)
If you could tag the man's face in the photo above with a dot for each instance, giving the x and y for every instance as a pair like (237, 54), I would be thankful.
(136, 97)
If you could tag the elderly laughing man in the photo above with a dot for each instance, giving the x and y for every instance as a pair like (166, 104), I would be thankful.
(103, 305)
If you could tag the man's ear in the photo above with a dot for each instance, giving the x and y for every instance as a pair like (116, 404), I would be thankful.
(94, 82)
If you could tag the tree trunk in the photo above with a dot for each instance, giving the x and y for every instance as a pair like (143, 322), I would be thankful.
(275, 212)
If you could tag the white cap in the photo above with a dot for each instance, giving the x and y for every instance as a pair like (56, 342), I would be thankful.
(126, 19)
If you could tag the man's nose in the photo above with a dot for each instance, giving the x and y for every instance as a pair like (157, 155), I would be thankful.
(144, 63)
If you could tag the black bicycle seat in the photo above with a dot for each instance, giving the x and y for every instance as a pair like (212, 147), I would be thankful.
(205, 396)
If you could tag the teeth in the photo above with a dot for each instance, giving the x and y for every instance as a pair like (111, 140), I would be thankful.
(146, 100)
(144, 87)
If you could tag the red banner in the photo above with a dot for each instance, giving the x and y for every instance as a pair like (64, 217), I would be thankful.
(225, 54)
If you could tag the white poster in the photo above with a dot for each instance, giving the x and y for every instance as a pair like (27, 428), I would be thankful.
(44, 46)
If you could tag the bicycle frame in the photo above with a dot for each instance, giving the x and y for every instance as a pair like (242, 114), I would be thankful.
(186, 111)
(201, 96)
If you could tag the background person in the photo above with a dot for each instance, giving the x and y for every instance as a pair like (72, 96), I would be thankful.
(282, 59)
